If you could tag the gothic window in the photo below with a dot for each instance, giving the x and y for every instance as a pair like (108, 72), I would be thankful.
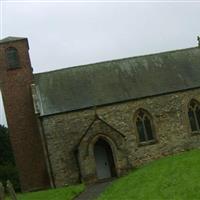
(144, 126)
(12, 58)
(194, 115)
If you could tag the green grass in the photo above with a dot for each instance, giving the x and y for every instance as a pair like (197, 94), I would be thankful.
(65, 193)
(171, 178)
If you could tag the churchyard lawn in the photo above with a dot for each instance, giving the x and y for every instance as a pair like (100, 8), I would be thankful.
(171, 178)
(65, 193)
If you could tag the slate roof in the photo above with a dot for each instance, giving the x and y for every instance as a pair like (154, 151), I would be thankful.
(11, 39)
(118, 80)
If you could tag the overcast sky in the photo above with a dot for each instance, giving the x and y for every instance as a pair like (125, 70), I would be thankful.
(67, 34)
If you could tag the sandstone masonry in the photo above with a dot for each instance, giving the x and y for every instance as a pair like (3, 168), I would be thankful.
(170, 119)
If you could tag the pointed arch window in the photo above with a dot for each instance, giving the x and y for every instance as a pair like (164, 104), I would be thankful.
(194, 115)
(12, 58)
(144, 126)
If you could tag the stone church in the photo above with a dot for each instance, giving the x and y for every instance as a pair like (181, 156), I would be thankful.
(97, 121)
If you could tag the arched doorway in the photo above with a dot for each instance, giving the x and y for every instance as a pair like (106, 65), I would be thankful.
(105, 166)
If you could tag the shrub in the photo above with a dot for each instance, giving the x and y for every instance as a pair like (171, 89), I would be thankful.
(8, 169)
(9, 172)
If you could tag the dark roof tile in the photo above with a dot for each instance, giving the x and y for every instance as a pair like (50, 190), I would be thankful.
(118, 80)
(11, 39)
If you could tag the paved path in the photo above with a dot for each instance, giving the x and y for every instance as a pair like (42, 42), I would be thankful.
(93, 191)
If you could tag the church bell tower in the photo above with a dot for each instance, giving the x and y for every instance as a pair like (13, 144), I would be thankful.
(16, 78)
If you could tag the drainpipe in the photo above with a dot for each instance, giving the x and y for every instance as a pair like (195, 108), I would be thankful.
(46, 153)
(38, 108)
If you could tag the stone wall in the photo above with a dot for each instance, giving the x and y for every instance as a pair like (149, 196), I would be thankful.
(64, 133)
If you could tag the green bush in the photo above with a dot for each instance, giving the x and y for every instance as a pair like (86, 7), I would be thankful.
(9, 172)
(8, 169)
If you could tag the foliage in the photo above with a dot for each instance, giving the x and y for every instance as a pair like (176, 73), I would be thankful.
(7, 162)
(6, 155)
(65, 193)
(172, 178)
(9, 172)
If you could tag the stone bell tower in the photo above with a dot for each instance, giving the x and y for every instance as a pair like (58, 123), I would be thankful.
(16, 78)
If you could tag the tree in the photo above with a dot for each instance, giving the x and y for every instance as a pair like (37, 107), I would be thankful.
(6, 155)
(8, 169)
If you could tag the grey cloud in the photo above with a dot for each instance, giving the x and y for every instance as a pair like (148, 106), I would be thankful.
(68, 34)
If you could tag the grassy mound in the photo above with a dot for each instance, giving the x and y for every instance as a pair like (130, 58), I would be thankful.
(65, 193)
(175, 177)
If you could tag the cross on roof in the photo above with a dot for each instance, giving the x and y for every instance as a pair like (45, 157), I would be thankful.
(198, 39)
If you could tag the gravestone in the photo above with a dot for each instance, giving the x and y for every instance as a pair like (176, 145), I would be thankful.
(2, 192)
(11, 190)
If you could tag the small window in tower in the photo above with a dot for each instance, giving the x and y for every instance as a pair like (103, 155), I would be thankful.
(12, 58)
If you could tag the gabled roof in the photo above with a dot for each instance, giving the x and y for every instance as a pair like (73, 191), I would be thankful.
(118, 80)
(11, 39)
(103, 122)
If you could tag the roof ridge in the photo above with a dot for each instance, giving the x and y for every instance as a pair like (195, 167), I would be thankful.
(115, 60)
(118, 81)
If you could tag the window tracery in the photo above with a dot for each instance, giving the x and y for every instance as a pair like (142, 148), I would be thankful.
(144, 126)
(194, 115)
